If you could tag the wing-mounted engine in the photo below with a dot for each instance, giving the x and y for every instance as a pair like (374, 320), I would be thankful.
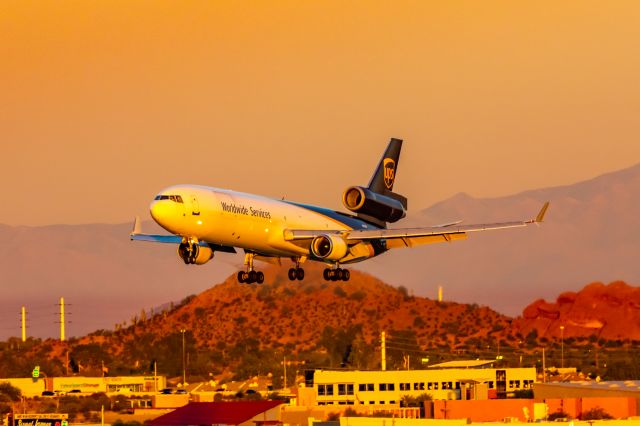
(389, 207)
(193, 254)
(329, 247)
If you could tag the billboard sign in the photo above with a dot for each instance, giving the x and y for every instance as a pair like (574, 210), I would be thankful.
(40, 420)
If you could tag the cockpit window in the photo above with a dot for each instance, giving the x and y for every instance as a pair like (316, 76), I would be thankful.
(176, 198)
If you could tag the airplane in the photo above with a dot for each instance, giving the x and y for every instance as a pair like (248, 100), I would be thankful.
(203, 220)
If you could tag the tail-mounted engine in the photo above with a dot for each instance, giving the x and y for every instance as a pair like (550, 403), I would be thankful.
(193, 254)
(330, 247)
(390, 207)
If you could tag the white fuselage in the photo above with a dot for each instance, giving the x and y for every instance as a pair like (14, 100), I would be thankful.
(237, 219)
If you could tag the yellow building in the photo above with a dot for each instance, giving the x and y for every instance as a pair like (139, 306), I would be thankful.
(458, 380)
(86, 385)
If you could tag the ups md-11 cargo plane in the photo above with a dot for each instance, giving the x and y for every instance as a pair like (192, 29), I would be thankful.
(204, 220)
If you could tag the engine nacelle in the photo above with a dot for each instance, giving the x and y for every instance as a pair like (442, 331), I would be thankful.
(193, 254)
(330, 247)
(382, 207)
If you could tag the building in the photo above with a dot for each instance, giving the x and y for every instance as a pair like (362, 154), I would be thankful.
(236, 413)
(87, 385)
(470, 380)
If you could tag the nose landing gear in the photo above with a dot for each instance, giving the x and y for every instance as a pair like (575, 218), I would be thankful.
(250, 276)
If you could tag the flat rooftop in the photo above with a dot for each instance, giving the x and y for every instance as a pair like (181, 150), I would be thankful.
(477, 363)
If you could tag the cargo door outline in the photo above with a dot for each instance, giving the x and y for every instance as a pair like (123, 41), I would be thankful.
(195, 206)
(230, 234)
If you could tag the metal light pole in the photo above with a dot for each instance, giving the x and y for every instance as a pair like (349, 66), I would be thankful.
(184, 365)
(562, 346)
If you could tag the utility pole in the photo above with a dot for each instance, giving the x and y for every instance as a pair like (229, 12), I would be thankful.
(155, 376)
(562, 346)
(62, 319)
(24, 325)
(384, 352)
(184, 365)
(284, 365)
(544, 367)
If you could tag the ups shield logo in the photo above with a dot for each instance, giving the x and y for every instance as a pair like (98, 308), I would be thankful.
(389, 172)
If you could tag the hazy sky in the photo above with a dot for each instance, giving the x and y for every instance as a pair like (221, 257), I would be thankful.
(103, 103)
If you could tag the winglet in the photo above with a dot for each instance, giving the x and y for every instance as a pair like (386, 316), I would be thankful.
(137, 228)
(543, 211)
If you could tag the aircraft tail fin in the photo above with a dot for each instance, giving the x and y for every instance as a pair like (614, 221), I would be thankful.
(385, 175)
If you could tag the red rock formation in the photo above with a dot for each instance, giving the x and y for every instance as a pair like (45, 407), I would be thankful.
(610, 312)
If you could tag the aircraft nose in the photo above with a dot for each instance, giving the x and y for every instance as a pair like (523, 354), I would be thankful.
(159, 211)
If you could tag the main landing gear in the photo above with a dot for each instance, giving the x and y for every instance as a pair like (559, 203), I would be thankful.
(296, 273)
(250, 276)
(337, 274)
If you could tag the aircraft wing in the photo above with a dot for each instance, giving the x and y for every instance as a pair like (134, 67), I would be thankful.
(409, 237)
(137, 235)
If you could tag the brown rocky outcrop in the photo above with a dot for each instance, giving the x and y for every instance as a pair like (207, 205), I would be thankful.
(611, 312)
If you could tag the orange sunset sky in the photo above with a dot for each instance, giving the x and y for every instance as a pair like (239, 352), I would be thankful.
(103, 103)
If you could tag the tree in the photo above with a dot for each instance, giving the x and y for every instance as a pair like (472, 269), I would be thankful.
(9, 392)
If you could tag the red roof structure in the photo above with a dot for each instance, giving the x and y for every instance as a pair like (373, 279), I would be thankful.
(218, 413)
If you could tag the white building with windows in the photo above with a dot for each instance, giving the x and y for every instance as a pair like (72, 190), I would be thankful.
(459, 380)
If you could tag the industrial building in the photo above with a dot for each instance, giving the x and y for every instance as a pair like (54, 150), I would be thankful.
(77, 384)
(463, 380)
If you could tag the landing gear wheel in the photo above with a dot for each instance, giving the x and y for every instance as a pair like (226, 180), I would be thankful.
(326, 274)
(346, 275)
(335, 275)
(300, 274)
(292, 274)
(253, 275)
(240, 277)
(260, 277)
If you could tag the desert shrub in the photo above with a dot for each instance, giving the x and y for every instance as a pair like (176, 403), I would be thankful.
(596, 413)
(358, 295)
(558, 415)
(418, 322)
(404, 292)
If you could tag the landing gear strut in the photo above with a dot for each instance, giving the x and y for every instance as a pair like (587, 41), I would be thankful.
(296, 273)
(336, 274)
(250, 276)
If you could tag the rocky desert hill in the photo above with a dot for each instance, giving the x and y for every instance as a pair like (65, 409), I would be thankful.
(242, 330)
(244, 327)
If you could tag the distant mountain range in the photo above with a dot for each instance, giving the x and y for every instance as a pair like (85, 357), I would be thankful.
(591, 233)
